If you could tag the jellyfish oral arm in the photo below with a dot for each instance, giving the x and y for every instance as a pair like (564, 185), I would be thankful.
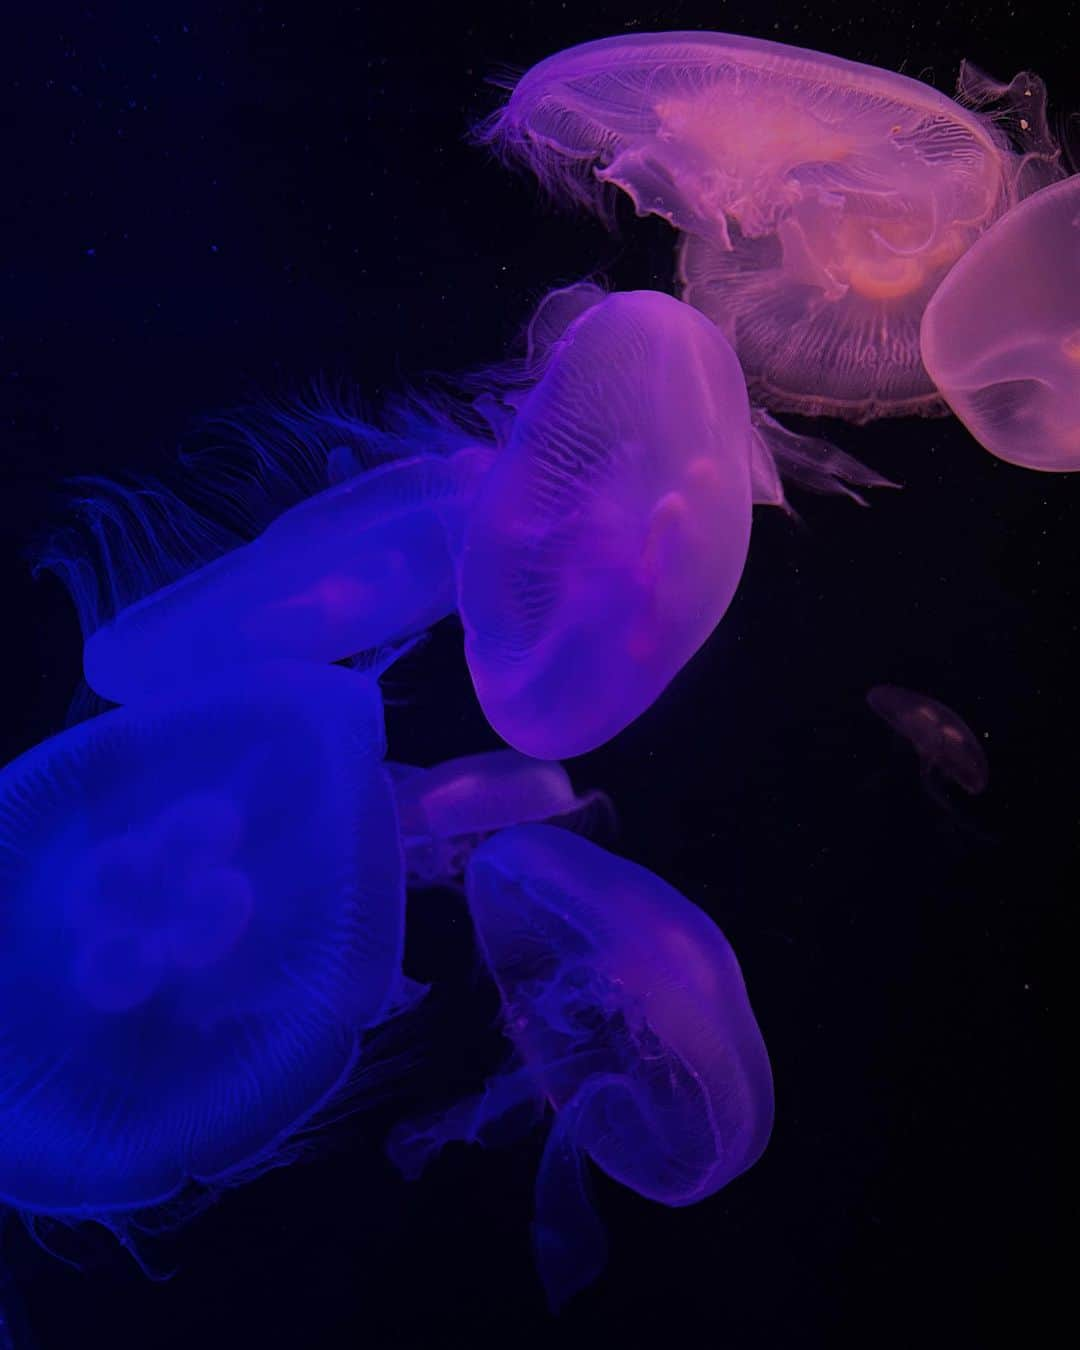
(413, 1144)
(569, 1242)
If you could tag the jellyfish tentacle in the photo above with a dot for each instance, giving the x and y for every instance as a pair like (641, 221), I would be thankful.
(569, 1241)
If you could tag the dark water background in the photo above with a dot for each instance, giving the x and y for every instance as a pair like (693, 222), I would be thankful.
(204, 201)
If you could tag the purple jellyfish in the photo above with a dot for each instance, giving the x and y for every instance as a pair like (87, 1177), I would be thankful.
(201, 911)
(948, 749)
(630, 1018)
(1001, 336)
(820, 201)
(608, 538)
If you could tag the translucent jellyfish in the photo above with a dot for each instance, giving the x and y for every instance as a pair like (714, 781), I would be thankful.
(948, 749)
(201, 910)
(820, 201)
(446, 811)
(608, 538)
(630, 1019)
(356, 565)
(1001, 336)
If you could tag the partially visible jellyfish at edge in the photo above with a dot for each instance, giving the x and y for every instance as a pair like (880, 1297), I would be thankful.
(819, 201)
(201, 918)
(1001, 335)
(948, 750)
(630, 1020)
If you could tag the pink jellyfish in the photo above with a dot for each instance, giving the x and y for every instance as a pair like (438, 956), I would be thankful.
(820, 201)
(947, 747)
(1001, 336)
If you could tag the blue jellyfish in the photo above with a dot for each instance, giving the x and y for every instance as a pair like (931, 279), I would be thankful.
(201, 911)
(630, 1018)
(344, 541)
(445, 811)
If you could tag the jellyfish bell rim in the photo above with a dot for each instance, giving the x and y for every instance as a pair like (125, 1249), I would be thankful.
(863, 76)
(508, 122)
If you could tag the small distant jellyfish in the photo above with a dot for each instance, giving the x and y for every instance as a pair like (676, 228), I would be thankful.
(819, 201)
(608, 538)
(948, 749)
(444, 812)
(630, 1019)
(201, 913)
(357, 564)
(1001, 336)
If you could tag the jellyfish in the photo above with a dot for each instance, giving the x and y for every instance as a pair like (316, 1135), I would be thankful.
(446, 811)
(629, 1018)
(1001, 335)
(819, 201)
(201, 914)
(608, 538)
(948, 749)
(362, 563)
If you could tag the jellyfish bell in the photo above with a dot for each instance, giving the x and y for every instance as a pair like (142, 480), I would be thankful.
(630, 1018)
(201, 912)
(609, 536)
(363, 563)
(819, 201)
(948, 749)
(447, 810)
(359, 558)
(1001, 335)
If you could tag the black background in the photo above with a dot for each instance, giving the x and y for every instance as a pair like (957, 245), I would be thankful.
(201, 202)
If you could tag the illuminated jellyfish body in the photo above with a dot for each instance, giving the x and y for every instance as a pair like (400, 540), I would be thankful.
(630, 1019)
(609, 536)
(1001, 336)
(948, 749)
(444, 812)
(201, 910)
(353, 566)
(820, 201)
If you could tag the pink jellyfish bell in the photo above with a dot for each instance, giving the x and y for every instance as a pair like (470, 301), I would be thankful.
(820, 201)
